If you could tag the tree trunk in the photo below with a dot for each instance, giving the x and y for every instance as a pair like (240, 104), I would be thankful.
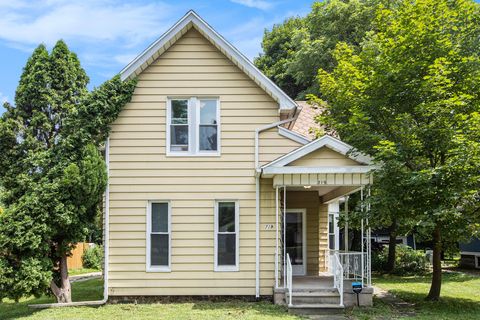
(434, 294)
(64, 292)
(392, 245)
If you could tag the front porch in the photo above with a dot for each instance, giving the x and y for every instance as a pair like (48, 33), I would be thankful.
(314, 268)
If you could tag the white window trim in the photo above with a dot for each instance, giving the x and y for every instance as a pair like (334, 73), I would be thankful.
(193, 128)
(224, 268)
(149, 267)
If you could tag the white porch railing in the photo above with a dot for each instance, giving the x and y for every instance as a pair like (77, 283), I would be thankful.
(354, 264)
(338, 276)
(289, 280)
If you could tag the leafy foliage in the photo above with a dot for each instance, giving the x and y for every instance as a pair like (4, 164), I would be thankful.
(92, 258)
(410, 98)
(51, 170)
(408, 261)
(294, 50)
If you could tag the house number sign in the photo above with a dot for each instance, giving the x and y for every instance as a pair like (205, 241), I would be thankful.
(268, 227)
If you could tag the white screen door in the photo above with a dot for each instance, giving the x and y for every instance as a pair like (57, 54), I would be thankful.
(296, 238)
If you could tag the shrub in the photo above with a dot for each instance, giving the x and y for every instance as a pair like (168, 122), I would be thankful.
(93, 257)
(407, 260)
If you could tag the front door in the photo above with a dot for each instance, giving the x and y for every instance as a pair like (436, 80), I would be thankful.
(295, 239)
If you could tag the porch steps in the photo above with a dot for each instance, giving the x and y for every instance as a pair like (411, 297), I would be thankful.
(306, 298)
(309, 301)
(314, 309)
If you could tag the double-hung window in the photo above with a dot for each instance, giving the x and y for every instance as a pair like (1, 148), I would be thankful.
(226, 236)
(158, 236)
(193, 126)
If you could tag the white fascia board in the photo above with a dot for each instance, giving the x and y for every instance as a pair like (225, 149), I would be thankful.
(136, 64)
(317, 170)
(293, 135)
(284, 101)
(325, 141)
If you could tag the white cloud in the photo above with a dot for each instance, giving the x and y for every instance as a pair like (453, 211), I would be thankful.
(125, 58)
(86, 21)
(3, 99)
(258, 4)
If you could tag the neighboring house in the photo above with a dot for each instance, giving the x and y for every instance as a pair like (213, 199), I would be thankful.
(470, 254)
(210, 194)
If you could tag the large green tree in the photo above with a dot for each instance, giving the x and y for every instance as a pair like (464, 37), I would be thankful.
(294, 50)
(51, 170)
(411, 98)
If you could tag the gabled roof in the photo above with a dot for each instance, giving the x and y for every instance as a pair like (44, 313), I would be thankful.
(325, 141)
(193, 20)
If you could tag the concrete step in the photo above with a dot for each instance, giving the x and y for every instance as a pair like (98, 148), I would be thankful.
(315, 290)
(305, 298)
(315, 309)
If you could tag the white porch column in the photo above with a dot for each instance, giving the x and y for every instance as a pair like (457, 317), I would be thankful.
(362, 239)
(284, 236)
(345, 247)
(276, 237)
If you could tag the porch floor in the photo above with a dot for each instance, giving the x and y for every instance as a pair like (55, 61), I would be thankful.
(322, 281)
(312, 282)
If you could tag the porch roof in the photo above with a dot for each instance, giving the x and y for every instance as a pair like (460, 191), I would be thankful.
(350, 168)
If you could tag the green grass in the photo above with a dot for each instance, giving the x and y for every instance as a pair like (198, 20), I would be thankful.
(460, 300)
(77, 272)
(460, 297)
(92, 290)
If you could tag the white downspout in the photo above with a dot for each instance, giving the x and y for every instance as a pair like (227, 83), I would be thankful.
(257, 197)
(107, 223)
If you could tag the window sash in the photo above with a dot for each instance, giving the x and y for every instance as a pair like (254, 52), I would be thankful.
(204, 124)
(150, 245)
(196, 129)
(226, 267)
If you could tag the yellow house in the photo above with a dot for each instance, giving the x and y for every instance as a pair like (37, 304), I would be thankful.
(211, 194)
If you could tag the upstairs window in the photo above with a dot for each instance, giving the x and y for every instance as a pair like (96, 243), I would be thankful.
(193, 126)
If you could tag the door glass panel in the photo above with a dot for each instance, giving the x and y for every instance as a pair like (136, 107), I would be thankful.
(294, 237)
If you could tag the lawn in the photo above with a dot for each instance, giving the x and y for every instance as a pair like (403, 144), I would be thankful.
(460, 298)
(92, 290)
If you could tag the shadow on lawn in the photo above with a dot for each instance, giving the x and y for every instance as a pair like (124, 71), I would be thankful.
(447, 307)
(236, 307)
(427, 278)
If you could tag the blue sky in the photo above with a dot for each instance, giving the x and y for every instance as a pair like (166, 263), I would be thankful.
(107, 34)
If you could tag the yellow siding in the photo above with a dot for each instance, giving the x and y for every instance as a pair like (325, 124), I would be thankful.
(140, 171)
(324, 157)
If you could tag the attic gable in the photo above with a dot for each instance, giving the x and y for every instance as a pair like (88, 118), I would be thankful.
(321, 148)
(324, 156)
(192, 20)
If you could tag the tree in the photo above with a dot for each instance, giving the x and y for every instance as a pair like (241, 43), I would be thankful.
(278, 47)
(295, 50)
(51, 170)
(410, 98)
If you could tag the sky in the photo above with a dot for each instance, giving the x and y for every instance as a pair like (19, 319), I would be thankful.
(108, 34)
